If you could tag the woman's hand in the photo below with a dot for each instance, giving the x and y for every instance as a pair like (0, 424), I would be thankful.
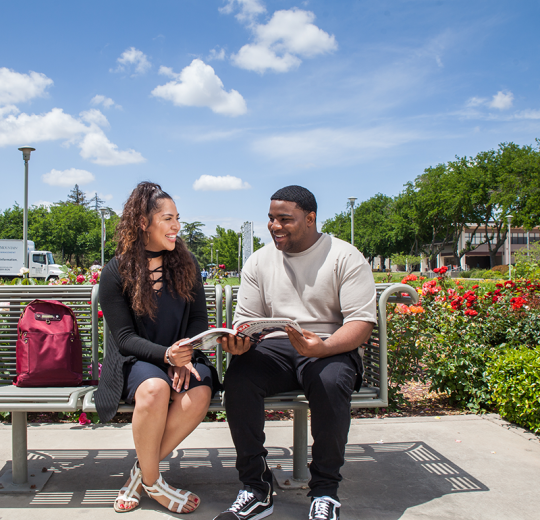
(181, 375)
(180, 355)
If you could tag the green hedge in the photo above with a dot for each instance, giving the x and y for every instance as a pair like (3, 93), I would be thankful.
(514, 380)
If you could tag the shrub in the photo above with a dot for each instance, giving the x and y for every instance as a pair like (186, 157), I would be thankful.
(405, 349)
(503, 269)
(465, 327)
(514, 380)
(528, 262)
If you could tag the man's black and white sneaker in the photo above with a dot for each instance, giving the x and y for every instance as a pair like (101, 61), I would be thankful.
(248, 507)
(324, 508)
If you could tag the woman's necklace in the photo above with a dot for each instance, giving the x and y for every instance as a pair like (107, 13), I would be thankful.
(154, 254)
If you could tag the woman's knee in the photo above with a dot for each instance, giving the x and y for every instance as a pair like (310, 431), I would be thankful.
(152, 394)
(197, 397)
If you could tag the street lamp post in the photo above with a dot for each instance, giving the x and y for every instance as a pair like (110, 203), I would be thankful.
(239, 251)
(26, 150)
(352, 199)
(103, 212)
(217, 257)
(509, 219)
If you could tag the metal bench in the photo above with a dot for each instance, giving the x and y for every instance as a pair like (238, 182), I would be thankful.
(83, 299)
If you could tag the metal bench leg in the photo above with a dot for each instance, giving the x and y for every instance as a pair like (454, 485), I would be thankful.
(19, 443)
(17, 480)
(298, 477)
(300, 440)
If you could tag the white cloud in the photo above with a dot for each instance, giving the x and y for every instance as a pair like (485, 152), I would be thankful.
(17, 88)
(248, 9)
(502, 100)
(278, 46)
(57, 125)
(216, 54)
(107, 102)
(98, 149)
(8, 109)
(475, 101)
(132, 57)
(261, 58)
(528, 114)
(329, 146)
(218, 183)
(94, 116)
(45, 203)
(198, 85)
(34, 128)
(68, 178)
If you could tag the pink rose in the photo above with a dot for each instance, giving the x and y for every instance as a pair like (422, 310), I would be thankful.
(83, 420)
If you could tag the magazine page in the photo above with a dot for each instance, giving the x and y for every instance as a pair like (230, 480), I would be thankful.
(259, 328)
(207, 340)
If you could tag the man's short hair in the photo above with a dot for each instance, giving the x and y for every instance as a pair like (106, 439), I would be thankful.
(304, 199)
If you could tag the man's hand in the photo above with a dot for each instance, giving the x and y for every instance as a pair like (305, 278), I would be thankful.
(235, 345)
(309, 345)
(181, 375)
(180, 356)
(347, 338)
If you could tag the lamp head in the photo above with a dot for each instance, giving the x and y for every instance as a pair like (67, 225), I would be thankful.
(352, 199)
(509, 218)
(26, 150)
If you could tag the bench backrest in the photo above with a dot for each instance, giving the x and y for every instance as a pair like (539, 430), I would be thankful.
(214, 307)
(374, 353)
(83, 299)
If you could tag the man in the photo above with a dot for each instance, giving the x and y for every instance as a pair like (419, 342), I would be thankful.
(204, 274)
(326, 285)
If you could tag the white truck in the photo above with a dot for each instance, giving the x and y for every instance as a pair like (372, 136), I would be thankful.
(40, 263)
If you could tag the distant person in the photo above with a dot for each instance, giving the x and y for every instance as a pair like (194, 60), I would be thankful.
(204, 274)
(326, 285)
(152, 297)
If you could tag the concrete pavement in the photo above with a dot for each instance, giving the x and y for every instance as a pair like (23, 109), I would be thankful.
(452, 467)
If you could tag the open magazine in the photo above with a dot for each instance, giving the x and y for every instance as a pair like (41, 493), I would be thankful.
(256, 329)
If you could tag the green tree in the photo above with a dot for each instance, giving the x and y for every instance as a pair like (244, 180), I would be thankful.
(226, 248)
(376, 228)
(11, 223)
(501, 182)
(76, 196)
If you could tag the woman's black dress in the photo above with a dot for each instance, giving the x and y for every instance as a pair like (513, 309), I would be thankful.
(136, 346)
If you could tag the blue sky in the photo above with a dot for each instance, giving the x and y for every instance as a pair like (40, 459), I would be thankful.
(225, 101)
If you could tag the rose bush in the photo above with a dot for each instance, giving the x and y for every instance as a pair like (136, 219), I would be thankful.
(462, 330)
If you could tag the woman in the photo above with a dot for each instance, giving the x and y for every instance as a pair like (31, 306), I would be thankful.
(152, 297)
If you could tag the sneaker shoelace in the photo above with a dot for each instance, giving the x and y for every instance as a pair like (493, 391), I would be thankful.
(321, 507)
(241, 500)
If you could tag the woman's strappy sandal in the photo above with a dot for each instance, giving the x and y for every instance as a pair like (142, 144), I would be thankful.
(129, 493)
(178, 498)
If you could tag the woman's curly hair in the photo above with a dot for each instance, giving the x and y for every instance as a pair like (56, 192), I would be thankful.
(179, 270)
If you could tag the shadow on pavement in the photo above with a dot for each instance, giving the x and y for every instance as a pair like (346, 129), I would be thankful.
(379, 480)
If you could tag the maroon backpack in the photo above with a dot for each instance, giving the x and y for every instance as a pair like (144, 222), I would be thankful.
(49, 351)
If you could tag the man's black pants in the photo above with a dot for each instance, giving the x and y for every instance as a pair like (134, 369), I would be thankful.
(274, 366)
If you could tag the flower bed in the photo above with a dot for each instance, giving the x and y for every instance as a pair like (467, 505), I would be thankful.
(459, 330)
